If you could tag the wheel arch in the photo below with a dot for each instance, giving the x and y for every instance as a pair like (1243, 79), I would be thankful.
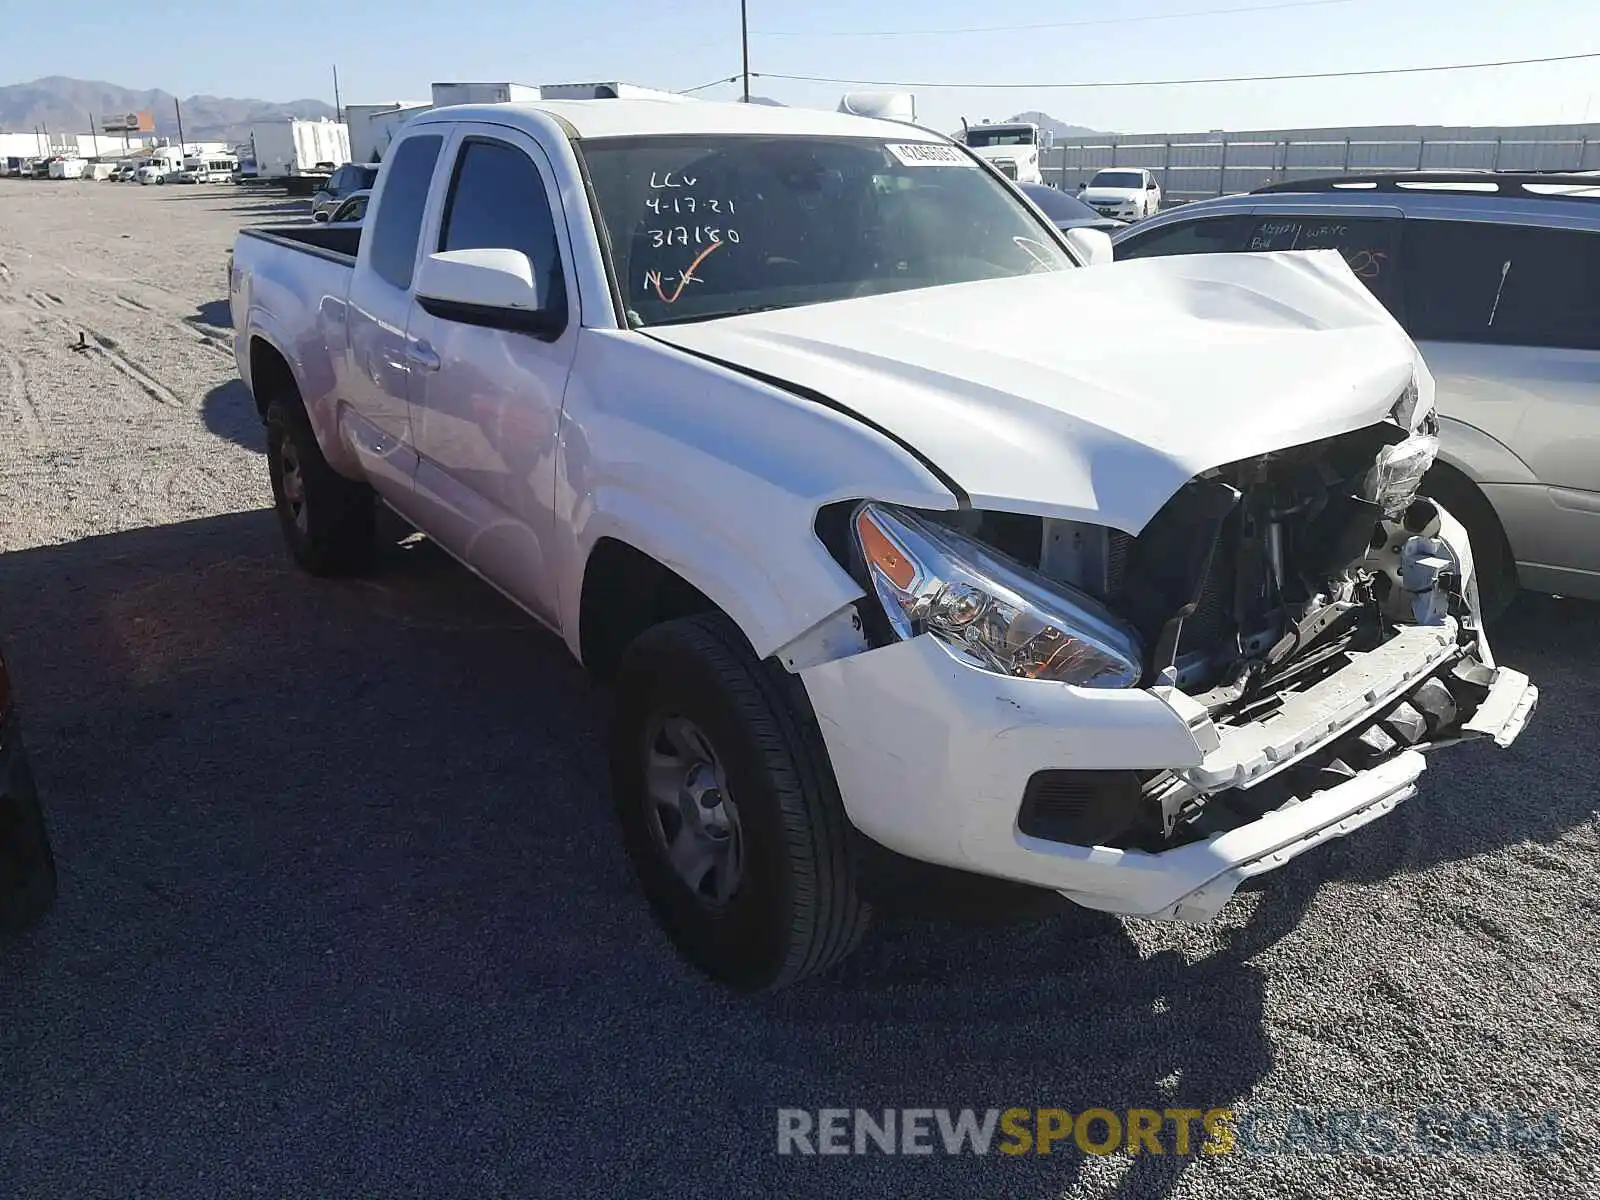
(270, 370)
(637, 575)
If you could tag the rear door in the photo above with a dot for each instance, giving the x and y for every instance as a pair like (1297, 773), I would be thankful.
(1508, 317)
(378, 370)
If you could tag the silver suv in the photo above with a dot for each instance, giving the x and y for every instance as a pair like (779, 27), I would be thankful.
(1497, 279)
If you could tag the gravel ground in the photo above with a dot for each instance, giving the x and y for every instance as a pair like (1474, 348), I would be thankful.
(343, 913)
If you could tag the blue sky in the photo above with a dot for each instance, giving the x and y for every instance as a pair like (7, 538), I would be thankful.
(393, 49)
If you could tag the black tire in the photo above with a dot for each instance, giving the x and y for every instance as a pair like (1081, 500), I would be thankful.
(332, 530)
(1492, 560)
(27, 864)
(796, 910)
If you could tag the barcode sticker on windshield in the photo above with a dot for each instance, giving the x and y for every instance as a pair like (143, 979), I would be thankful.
(926, 154)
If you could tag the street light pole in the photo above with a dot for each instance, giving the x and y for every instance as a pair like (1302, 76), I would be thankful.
(744, 46)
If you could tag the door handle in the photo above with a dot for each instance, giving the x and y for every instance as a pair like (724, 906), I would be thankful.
(422, 355)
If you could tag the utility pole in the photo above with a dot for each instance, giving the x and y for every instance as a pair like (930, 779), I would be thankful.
(744, 46)
(178, 108)
(338, 109)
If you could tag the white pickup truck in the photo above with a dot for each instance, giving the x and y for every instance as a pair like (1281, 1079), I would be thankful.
(894, 537)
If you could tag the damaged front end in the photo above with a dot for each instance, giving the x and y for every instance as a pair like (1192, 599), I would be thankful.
(1309, 615)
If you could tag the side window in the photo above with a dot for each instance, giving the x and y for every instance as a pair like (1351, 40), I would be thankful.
(1209, 235)
(497, 201)
(1367, 244)
(405, 195)
(1518, 285)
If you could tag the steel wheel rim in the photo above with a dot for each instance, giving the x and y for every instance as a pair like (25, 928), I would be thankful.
(691, 814)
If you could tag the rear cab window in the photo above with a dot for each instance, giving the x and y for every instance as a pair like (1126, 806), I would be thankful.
(497, 200)
(398, 227)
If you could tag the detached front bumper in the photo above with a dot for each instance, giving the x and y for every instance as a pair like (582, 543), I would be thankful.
(933, 759)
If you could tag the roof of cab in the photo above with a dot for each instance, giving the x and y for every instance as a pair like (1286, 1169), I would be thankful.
(631, 118)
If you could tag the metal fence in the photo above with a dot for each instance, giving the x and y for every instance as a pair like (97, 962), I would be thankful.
(1197, 168)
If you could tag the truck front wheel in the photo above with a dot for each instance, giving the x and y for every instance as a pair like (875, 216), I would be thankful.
(729, 809)
(327, 520)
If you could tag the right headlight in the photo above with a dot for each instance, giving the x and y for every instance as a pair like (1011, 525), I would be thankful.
(1394, 477)
(988, 610)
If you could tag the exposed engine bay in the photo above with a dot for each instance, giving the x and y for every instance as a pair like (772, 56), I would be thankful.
(1256, 576)
(1256, 582)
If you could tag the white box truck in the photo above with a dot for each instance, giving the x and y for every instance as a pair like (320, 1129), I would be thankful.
(299, 155)
(1013, 147)
(372, 126)
(604, 91)
(445, 94)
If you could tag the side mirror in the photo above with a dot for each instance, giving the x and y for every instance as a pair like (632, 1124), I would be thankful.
(1092, 245)
(1151, 186)
(320, 215)
(1082, 186)
(492, 287)
(1049, 142)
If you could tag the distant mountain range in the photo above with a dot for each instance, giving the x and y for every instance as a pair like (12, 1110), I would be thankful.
(1059, 128)
(65, 105)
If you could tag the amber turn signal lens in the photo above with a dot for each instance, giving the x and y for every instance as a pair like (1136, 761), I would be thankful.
(883, 554)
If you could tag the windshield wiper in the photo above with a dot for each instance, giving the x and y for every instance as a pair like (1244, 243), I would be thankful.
(730, 312)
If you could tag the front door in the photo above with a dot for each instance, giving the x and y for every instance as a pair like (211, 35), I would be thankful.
(486, 407)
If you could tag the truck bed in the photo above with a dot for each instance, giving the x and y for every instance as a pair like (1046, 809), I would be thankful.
(337, 242)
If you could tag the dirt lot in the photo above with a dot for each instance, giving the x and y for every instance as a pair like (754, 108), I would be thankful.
(343, 913)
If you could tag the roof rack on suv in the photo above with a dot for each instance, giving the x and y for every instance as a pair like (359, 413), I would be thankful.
(1457, 181)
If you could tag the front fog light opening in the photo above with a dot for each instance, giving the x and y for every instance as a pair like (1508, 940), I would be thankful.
(988, 610)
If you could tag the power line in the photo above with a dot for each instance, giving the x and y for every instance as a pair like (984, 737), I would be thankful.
(1177, 16)
(703, 86)
(1142, 83)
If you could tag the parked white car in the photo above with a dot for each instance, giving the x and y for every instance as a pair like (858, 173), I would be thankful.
(1127, 193)
(352, 209)
(893, 536)
(346, 181)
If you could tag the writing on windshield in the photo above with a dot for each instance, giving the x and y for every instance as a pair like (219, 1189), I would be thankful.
(705, 226)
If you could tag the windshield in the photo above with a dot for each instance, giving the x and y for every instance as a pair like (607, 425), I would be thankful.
(705, 226)
(979, 135)
(1118, 179)
(1057, 205)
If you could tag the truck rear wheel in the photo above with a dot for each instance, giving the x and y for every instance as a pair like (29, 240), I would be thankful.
(327, 520)
(729, 809)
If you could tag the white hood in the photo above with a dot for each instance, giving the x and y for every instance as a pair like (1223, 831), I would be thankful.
(1094, 393)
